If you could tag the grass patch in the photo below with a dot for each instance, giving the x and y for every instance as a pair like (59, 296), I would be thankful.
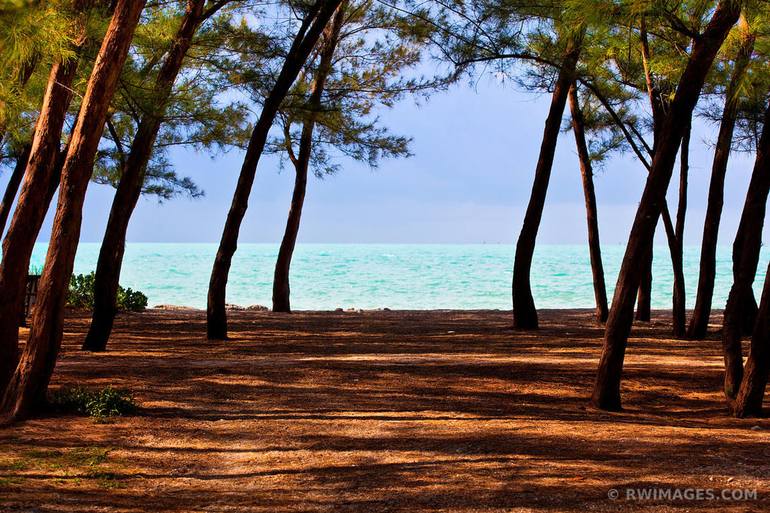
(13, 464)
(7, 482)
(57, 460)
(106, 479)
(107, 402)
(74, 466)
(42, 454)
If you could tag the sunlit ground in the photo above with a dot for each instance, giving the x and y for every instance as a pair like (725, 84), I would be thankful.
(385, 411)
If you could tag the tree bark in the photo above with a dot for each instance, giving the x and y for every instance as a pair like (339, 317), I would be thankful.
(678, 307)
(524, 310)
(752, 390)
(702, 311)
(660, 106)
(592, 217)
(303, 44)
(13, 186)
(31, 208)
(644, 293)
(129, 188)
(606, 393)
(281, 290)
(28, 386)
(746, 247)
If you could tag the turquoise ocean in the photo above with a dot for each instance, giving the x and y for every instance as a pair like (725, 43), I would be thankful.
(408, 276)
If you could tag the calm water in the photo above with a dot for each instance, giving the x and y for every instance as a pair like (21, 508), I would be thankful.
(328, 276)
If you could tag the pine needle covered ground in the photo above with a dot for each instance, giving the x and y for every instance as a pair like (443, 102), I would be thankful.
(383, 411)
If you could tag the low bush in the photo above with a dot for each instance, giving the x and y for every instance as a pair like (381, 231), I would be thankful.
(131, 300)
(81, 295)
(107, 402)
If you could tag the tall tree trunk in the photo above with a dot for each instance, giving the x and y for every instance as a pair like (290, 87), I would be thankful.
(657, 104)
(678, 310)
(606, 393)
(13, 186)
(303, 44)
(708, 254)
(592, 217)
(752, 390)
(31, 208)
(644, 292)
(129, 188)
(27, 388)
(660, 106)
(746, 247)
(524, 311)
(281, 293)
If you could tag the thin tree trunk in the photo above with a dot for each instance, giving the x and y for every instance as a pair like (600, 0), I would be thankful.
(31, 208)
(303, 44)
(606, 393)
(281, 290)
(28, 386)
(644, 293)
(678, 309)
(752, 390)
(592, 217)
(524, 310)
(708, 259)
(129, 188)
(660, 106)
(13, 186)
(746, 248)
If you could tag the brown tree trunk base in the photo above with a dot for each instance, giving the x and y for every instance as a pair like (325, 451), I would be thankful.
(644, 293)
(524, 310)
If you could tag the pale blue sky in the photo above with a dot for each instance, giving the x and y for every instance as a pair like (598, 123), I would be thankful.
(474, 149)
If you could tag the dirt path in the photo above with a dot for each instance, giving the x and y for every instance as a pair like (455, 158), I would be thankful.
(385, 411)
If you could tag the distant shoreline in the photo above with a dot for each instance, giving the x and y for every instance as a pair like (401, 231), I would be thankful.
(265, 309)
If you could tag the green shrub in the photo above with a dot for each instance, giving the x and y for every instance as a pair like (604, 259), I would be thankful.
(81, 292)
(131, 300)
(107, 402)
(81, 295)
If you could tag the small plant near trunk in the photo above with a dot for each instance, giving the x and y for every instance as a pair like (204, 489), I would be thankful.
(107, 402)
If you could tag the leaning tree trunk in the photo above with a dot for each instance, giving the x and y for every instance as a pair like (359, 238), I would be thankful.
(524, 311)
(13, 186)
(31, 208)
(678, 310)
(281, 291)
(657, 105)
(606, 392)
(752, 390)
(303, 44)
(708, 253)
(27, 388)
(644, 293)
(592, 217)
(746, 248)
(107, 278)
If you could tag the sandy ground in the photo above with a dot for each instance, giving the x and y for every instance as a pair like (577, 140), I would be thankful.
(386, 411)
